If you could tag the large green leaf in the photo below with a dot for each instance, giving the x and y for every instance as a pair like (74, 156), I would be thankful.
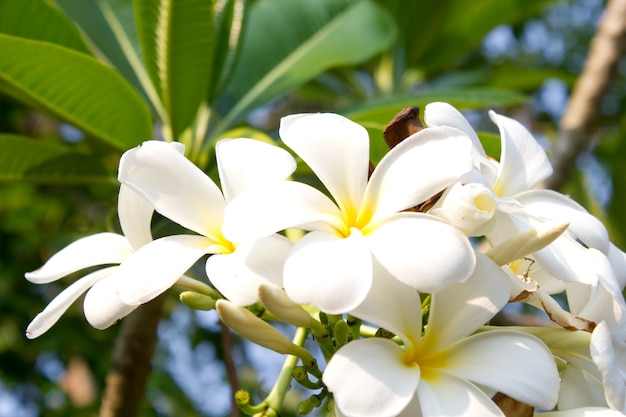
(229, 25)
(43, 161)
(176, 38)
(45, 23)
(287, 43)
(109, 25)
(75, 88)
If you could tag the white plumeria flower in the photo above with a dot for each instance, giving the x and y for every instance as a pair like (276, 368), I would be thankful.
(183, 193)
(508, 203)
(331, 267)
(102, 306)
(444, 371)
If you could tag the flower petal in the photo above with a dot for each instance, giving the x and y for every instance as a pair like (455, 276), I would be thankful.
(512, 362)
(369, 379)
(564, 258)
(446, 395)
(262, 211)
(417, 249)
(579, 389)
(523, 162)
(336, 149)
(157, 266)
(98, 249)
(238, 275)
(59, 305)
(243, 163)
(549, 204)
(460, 308)
(606, 301)
(333, 274)
(176, 188)
(135, 214)
(102, 305)
(568, 260)
(443, 114)
(402, 316)
(608, 360)
(416, 169)
(583, 412)
(618, 260)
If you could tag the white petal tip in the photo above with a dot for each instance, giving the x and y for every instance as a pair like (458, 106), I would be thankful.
(33, 332)
(34, 276)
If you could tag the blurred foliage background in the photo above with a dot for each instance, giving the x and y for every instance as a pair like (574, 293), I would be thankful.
(251, 62)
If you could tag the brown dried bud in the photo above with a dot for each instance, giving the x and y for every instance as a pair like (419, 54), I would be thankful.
(403, 125)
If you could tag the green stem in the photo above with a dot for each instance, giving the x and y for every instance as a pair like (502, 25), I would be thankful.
(277, 395)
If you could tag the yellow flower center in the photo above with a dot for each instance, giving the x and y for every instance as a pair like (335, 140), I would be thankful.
(429, 364)
(484, 202)
(428, 361)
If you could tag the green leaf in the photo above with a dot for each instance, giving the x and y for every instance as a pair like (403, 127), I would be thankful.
(230, 16)
(527, 79)
(176, 38)
(45, 23)
(76, 88)
(109, 25)
(378, 112)
(26, 159)
(436, 34)
(287, 43)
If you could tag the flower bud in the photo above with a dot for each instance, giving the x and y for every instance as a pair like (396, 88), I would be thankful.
(306, 406)
(525, 243)
(249, 326)
(281, 306)
(470, 208)
(196, 300)
(342, 333)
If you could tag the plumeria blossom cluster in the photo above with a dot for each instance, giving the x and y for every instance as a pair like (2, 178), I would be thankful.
(399, 272)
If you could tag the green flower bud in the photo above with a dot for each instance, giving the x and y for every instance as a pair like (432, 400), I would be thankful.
(196, 300)
(306, 406)
(342, 333)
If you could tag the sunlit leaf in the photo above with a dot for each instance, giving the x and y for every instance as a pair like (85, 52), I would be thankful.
(229, 24)
(76, 88)
(45, 23)
(109, 25)
(287, 43)
(176, 39)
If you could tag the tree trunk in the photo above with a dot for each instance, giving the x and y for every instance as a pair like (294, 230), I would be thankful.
(132, 357)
